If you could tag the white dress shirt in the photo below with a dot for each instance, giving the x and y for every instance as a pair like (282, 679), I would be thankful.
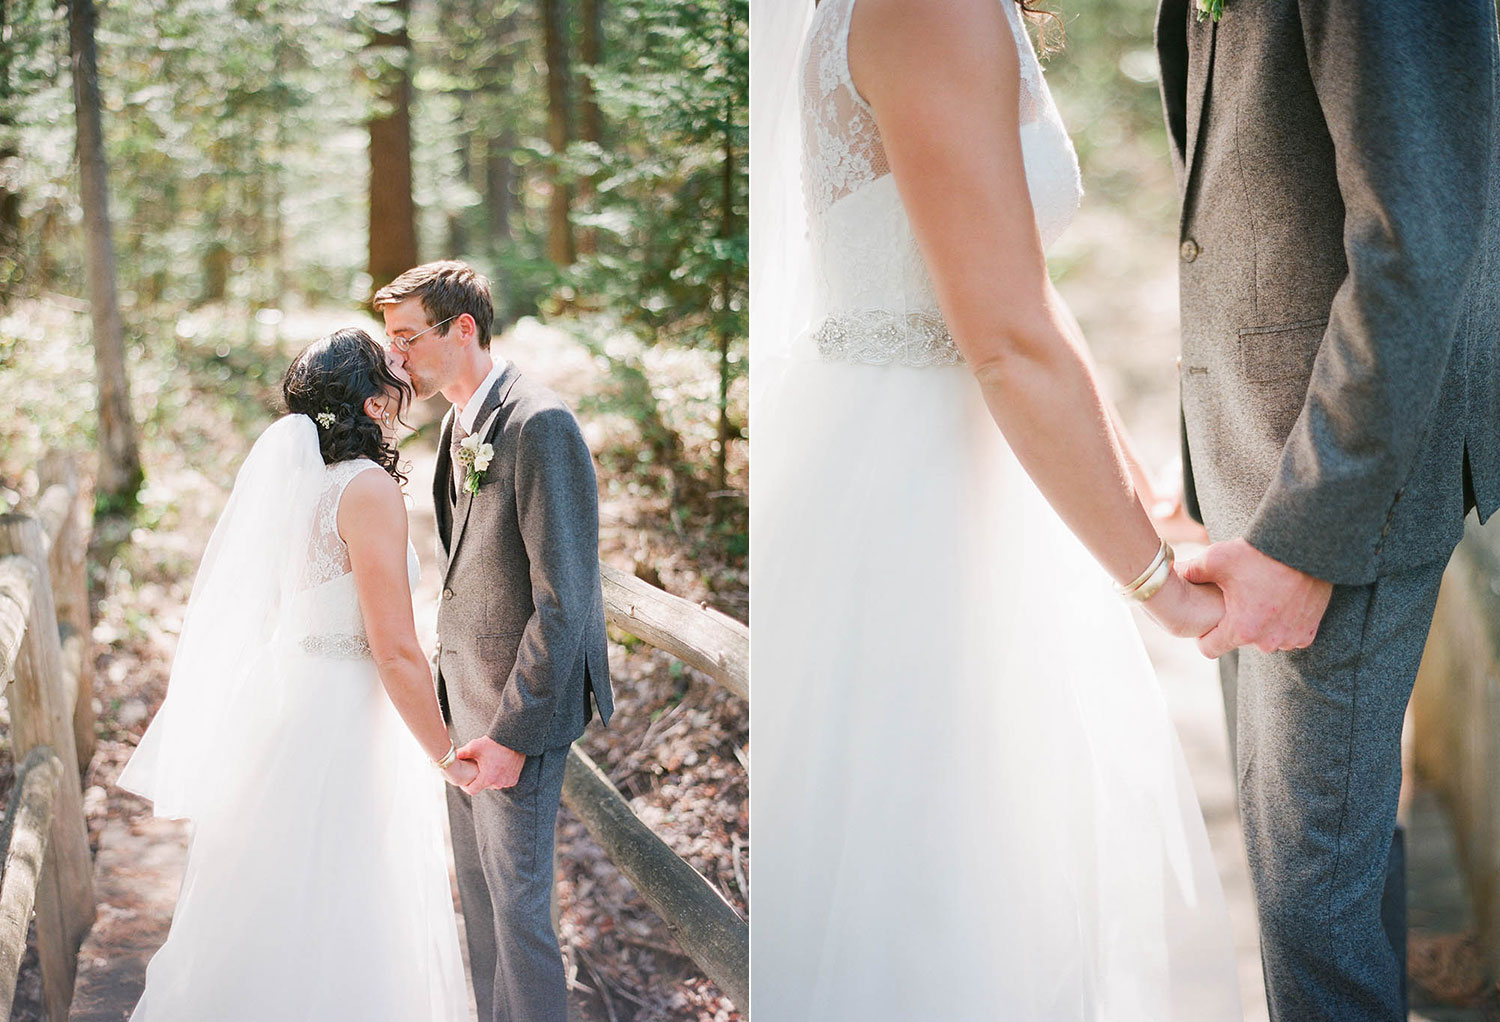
(470, 411)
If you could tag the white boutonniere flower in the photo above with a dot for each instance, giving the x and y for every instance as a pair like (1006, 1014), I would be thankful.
(475, 457)
(1210, 9)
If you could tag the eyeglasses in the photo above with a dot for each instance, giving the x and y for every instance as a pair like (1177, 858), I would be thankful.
(404, 344)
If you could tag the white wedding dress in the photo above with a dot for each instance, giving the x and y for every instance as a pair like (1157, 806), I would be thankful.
(316, 885)
(969, 803)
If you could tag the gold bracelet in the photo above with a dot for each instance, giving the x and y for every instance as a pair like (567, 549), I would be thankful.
(1163, 554)
(1152, 585)
(448, 758)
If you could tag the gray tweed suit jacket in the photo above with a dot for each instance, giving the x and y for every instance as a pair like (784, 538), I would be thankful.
(1340, 274)
(521, 643)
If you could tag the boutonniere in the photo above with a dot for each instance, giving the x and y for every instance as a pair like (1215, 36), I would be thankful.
(1210, 9)
(475, 457)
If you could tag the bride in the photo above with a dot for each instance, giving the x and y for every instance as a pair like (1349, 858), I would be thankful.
(969, 803)
(300, 730)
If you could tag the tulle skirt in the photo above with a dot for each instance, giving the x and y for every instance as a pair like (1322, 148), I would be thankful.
(318, 888)
(969, 803)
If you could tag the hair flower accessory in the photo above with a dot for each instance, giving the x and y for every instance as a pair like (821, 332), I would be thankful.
(326, 419)
(475, 457)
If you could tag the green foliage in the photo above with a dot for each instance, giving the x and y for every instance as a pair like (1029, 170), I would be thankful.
(668, 211)
(230, 128)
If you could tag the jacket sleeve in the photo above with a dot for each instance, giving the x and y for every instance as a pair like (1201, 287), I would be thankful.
(1407, 93)
(557, 504)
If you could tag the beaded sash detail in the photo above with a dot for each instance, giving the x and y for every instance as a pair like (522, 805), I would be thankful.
(918, 340)
(342, 647)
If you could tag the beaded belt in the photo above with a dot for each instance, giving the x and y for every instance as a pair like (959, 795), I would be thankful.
(874, 337)
(342, 647)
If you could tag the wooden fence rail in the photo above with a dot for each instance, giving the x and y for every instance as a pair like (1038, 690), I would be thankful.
(44, 665)
(705, 925)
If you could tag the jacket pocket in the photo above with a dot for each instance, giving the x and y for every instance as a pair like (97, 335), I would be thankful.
(500, 646)
(1271, 354)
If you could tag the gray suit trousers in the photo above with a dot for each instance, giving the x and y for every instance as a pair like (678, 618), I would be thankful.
(502, 846)
(1317, 743)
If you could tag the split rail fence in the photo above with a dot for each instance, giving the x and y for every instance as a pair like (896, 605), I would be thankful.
(705, 925)
(47, 672)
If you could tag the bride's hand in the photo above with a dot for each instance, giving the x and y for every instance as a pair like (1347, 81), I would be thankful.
(460, 772)
(1184, 609)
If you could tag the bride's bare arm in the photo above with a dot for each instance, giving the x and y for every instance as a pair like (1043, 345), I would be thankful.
(943, 79)
(372, 522)
(1145, 489)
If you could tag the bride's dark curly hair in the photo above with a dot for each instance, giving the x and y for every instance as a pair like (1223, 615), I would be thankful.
(332, 377)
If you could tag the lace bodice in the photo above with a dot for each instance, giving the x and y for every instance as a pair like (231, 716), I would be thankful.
(877, 299)
(326, 615)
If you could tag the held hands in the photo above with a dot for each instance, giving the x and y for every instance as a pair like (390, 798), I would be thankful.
(495, 765)
(1184, 609)
(1267, 604)
(460, 772)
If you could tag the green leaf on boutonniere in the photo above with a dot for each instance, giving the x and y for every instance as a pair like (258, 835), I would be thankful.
(471, 482)
(1210, 9)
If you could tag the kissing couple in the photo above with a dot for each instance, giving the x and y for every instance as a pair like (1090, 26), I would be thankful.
(302, 733)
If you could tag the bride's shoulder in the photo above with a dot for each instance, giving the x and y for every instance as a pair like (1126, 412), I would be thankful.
(371, 502)
(903, 37)
(361, 484)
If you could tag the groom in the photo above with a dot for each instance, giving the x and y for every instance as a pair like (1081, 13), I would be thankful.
(521, 644)
(1340, 375)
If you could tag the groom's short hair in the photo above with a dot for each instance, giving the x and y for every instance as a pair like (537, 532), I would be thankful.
(448, 288)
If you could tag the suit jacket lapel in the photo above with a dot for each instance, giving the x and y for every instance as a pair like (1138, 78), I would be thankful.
(492, 401)
(1200, 68)
(1172, 57)
(442, 482)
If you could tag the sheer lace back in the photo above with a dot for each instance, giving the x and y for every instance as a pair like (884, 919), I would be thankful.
(842, 145)
(878, 304)
(326, 618)
(327, 556)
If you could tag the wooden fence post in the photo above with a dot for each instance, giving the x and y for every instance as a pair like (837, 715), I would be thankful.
(24, 839)
(40, 715)
(67, 562)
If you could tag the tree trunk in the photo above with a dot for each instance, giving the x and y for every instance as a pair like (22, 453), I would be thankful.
(120, 474)
(593, 53)
(560, 247)
(498, 173)
(10, 202)
(591, 122)
(393, 215)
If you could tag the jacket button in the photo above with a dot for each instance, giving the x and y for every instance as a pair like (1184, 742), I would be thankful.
(447, 594)
(1190, 250)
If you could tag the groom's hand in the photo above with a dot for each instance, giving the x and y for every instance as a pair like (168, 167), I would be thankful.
(498, 766)
(1267, 604)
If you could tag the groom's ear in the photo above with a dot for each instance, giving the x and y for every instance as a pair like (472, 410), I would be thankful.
(468, 330)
